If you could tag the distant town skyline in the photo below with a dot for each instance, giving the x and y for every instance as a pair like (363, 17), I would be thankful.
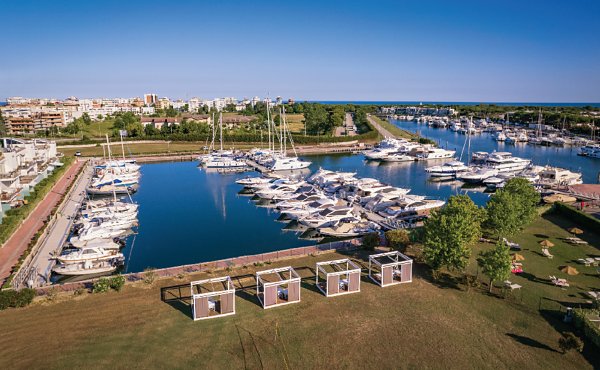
(336, 51)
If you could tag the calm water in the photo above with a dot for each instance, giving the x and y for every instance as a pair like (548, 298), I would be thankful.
(187, 215)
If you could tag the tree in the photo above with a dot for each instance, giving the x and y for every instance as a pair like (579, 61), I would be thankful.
(569, 341)
(370, 241)
(2, 125)
(495, 263)
(150, 130)
(170, 112)
(450, 232)
(397, 239)
(512, 207)
(86, 118)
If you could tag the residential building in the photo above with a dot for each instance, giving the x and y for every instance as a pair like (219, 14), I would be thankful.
(150, 99)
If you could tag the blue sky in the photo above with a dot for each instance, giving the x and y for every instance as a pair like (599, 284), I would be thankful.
(528, 51)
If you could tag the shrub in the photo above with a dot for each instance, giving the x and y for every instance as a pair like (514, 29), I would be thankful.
(117, 282)
(370, 241)
(14, 298)
(149, 276)
(569, 341)
(397, 239)
(102, 286)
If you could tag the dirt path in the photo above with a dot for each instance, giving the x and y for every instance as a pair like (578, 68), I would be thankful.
(378, 127)
(17, 243)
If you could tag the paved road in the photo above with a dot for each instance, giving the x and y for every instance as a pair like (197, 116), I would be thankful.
(378, 127)
(60, 229)
(17, 243)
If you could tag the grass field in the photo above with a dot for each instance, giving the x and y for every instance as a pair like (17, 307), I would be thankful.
(536, 286)
(148, 148)
(424, 324)
(295, 122)
(395, 130)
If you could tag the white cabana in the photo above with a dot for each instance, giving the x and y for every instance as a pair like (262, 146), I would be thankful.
(278, 287)
(390, 268)
(212, 298)
(338, 277)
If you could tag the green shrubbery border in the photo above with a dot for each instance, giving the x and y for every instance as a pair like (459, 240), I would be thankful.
(577, 216)
(590, 330)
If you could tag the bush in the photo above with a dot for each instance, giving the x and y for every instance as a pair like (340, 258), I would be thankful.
(577, 216)
(370, 241)
(149, 276)
(117, 282)
(397, 239)
(102, 286)
(569, 341)
(590, 329)
(14, 298)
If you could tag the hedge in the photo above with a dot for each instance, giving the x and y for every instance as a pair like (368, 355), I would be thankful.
(577, 216)
(16, 298)
(590, 330)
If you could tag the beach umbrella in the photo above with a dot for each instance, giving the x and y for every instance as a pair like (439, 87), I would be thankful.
(517, 257)
(569, 270)
(575, 231)
(546, 243)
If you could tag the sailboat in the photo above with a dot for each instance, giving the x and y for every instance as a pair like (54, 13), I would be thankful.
(221, 158)
(281, 161)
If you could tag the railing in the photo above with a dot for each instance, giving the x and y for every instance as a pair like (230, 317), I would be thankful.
(26, 272)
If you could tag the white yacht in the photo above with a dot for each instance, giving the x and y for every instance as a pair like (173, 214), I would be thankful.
(500, 136)
(349, 229)
(248, 181)
(275, 190)
(97, 243)
(305, 210)
(88, 267)
(505, 162)
(452, 168)
(555, 176)
(398, 157)
(477, 174)
(327, 217)
(436, 153)
(87, 254)
(288, 163)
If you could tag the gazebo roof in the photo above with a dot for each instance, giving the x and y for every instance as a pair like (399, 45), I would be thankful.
(389, 258)
(337, 266)
(277, 275)
(212, 286)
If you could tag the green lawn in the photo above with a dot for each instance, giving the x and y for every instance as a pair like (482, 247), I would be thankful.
(537, 288)
(150, 148)
(394, 129)
(418, 325)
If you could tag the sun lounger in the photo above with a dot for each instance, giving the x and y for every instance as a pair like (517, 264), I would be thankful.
(511, 286)
(584, 262)
(511, 245)
(574, 240)
(546, 253)
(594, 295)
(592, 261)
(559, 282)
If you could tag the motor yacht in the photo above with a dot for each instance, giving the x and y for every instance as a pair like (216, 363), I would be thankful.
(436, 153)
(452, 168)
(327, 217)
(87, 254)
(477, 174)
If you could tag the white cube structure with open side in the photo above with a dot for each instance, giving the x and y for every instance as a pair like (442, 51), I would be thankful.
(278, 287)
(338, 277)
(390, 268)
(212, 298)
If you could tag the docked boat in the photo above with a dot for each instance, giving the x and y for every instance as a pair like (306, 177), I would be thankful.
(349, 229)
(555, 176)
(88, 254)
(328, 217)
(105, 244)
(88, 267)
(398, 157)
(448, 169)
(477, 174)
(436, 153)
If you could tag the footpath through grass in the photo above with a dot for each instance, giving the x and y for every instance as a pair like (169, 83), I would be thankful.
(421, 324)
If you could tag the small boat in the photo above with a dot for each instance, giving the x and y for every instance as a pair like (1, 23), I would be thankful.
(88, 254)
(97, 243)
(88, 267)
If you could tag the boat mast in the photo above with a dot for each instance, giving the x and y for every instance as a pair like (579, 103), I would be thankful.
(269, 125)
(112, 168)
(214, 131)
(122, 147)
(221, 130)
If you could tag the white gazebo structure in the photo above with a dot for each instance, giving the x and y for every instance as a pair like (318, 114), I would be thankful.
(212, 298)
(390, 268)
(278, 287)
(338, 277)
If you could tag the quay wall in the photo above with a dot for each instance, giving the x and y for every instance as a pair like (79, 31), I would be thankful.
(339, 246)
